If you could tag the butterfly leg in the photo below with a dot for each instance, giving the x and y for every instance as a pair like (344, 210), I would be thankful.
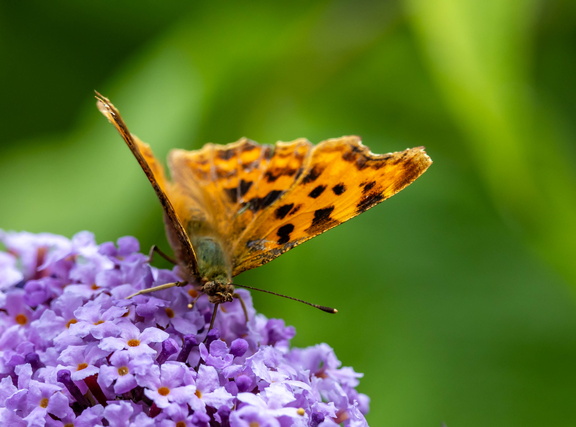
(213, 319)
(155, 249)
(157, 288)
(215, 311)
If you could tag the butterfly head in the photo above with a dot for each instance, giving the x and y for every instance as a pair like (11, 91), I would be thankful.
(218, 292)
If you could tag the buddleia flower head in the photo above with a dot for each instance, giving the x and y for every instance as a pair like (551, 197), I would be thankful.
(75, 351)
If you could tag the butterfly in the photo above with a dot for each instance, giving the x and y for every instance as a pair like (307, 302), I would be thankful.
(230, 208)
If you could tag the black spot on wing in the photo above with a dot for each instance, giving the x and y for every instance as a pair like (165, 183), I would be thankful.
(244, 187)
(357, 156)
(339, 189)
(313, 174)
(249, 146)
(268, 151)
(270, 176)
(317, 191)
(368, 201)
(273, 175)
(322, 220)
(361, 162)
(283, 233)
(352, 153)
(367, 186)
(236, 193)
(226, 154)
(296, 209)
(283, 210)
(257, 203)
(322, 215)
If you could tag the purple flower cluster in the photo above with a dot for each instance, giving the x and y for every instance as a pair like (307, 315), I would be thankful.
(75, 351)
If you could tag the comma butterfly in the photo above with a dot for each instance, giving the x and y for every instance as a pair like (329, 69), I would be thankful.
(230, 208)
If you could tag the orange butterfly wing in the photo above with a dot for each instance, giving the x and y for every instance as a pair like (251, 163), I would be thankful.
(243, 204)
(340, 179)
(176, 234)
(261, 201)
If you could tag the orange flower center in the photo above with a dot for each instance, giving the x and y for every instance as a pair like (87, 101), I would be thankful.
(133, 342)
(123, 370)
(169, 312)
(163, 391)
(341, 416)
(71, 322)
(81, 366)
(99, 322)
(21, 319)
(198, 394)
(44, 403)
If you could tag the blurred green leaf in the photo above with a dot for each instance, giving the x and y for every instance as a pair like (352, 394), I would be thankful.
(479, 53)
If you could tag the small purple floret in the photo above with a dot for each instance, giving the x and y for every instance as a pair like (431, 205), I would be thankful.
(63, 376)
(34, 360)
(75, 351)
(168, 349)
(238, 347)
(189, 343)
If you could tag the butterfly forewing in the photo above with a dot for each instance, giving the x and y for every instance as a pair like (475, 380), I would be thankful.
(341, 180)
(264, 200)
(176, 234)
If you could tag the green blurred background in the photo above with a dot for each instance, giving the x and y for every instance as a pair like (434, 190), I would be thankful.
(456, 296)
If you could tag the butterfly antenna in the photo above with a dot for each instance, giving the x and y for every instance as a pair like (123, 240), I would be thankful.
(319, 307)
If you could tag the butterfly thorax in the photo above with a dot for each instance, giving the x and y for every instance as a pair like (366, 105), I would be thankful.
(214, 269)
